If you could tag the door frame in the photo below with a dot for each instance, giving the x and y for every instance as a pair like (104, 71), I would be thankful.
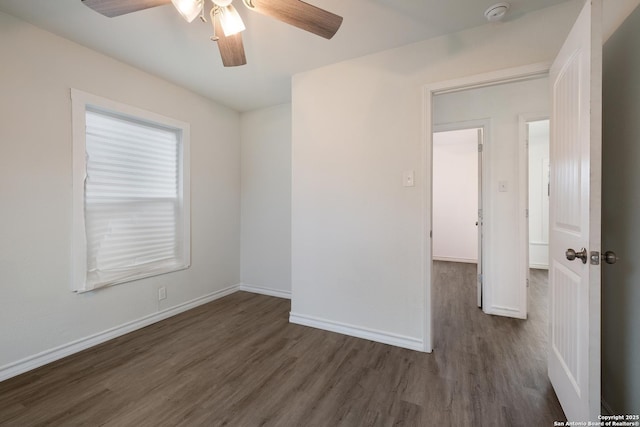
(509, 75)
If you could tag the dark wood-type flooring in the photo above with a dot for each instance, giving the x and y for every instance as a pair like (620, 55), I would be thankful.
(238, 362)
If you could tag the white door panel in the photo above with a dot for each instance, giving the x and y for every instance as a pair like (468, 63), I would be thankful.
(480, 277)
(576, 143)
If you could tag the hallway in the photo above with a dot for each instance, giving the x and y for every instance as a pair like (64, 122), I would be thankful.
(494, 367)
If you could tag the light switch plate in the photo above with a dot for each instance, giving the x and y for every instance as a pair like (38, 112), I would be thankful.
(408, 178)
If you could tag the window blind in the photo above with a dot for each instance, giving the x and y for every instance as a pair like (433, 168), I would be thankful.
(132, 199)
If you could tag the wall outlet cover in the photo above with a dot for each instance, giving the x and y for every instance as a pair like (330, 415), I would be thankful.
(408, 178)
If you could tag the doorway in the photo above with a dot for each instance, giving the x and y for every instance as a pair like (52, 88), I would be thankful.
(537, 148)
(505, 264)
(535, 176)
(575, 77)
(457, 196)
(505, 227)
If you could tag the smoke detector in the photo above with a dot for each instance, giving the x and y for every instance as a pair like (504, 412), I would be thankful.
(496, 12)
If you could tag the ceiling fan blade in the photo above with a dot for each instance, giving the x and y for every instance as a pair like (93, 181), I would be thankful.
(299, 14)
(231, 47)
(111, 8)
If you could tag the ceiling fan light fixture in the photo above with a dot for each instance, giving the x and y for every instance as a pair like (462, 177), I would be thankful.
(297, 13)
(189, 9)
(231, 21)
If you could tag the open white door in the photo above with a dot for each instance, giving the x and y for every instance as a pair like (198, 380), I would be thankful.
(480, 277)
(574, 232)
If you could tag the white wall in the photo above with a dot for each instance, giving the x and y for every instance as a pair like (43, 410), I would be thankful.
(357, 237)
(266, 200)
(502, 105)
(614, 14)
(539, 194)
(38, 312)
(455, 195)
(620, 213)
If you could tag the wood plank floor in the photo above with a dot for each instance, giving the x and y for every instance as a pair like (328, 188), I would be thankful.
(238, 362)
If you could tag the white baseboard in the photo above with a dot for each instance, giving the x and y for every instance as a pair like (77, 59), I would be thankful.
(358, 332)
(453, 259)
(48, 356)
(265, 291)
(539, 266)
(497, 310)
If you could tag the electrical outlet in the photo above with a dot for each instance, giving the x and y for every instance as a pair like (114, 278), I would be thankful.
(162, 293)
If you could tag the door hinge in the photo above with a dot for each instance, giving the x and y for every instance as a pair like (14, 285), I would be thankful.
(480, 148)
(479, 278)
(527, 283)
(526, 213)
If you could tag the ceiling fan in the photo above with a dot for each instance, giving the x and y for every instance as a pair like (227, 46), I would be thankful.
(223, 15)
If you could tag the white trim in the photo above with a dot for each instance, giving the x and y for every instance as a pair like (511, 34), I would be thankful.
(532, 243)
(509, 75)
(506, 312)
(32, 362)
(427, 216)
(262, 290)
(454, 259)
(357, 331)
(523, 214)
(480, 80)
(539, 266)
(482, 123)
(80, 102)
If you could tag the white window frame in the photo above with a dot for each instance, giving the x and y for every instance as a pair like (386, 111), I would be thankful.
(80, 102)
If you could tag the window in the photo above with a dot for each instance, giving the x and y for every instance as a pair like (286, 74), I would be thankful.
(131, 193)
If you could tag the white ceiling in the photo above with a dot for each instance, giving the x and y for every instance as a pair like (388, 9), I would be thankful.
(159, 41)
